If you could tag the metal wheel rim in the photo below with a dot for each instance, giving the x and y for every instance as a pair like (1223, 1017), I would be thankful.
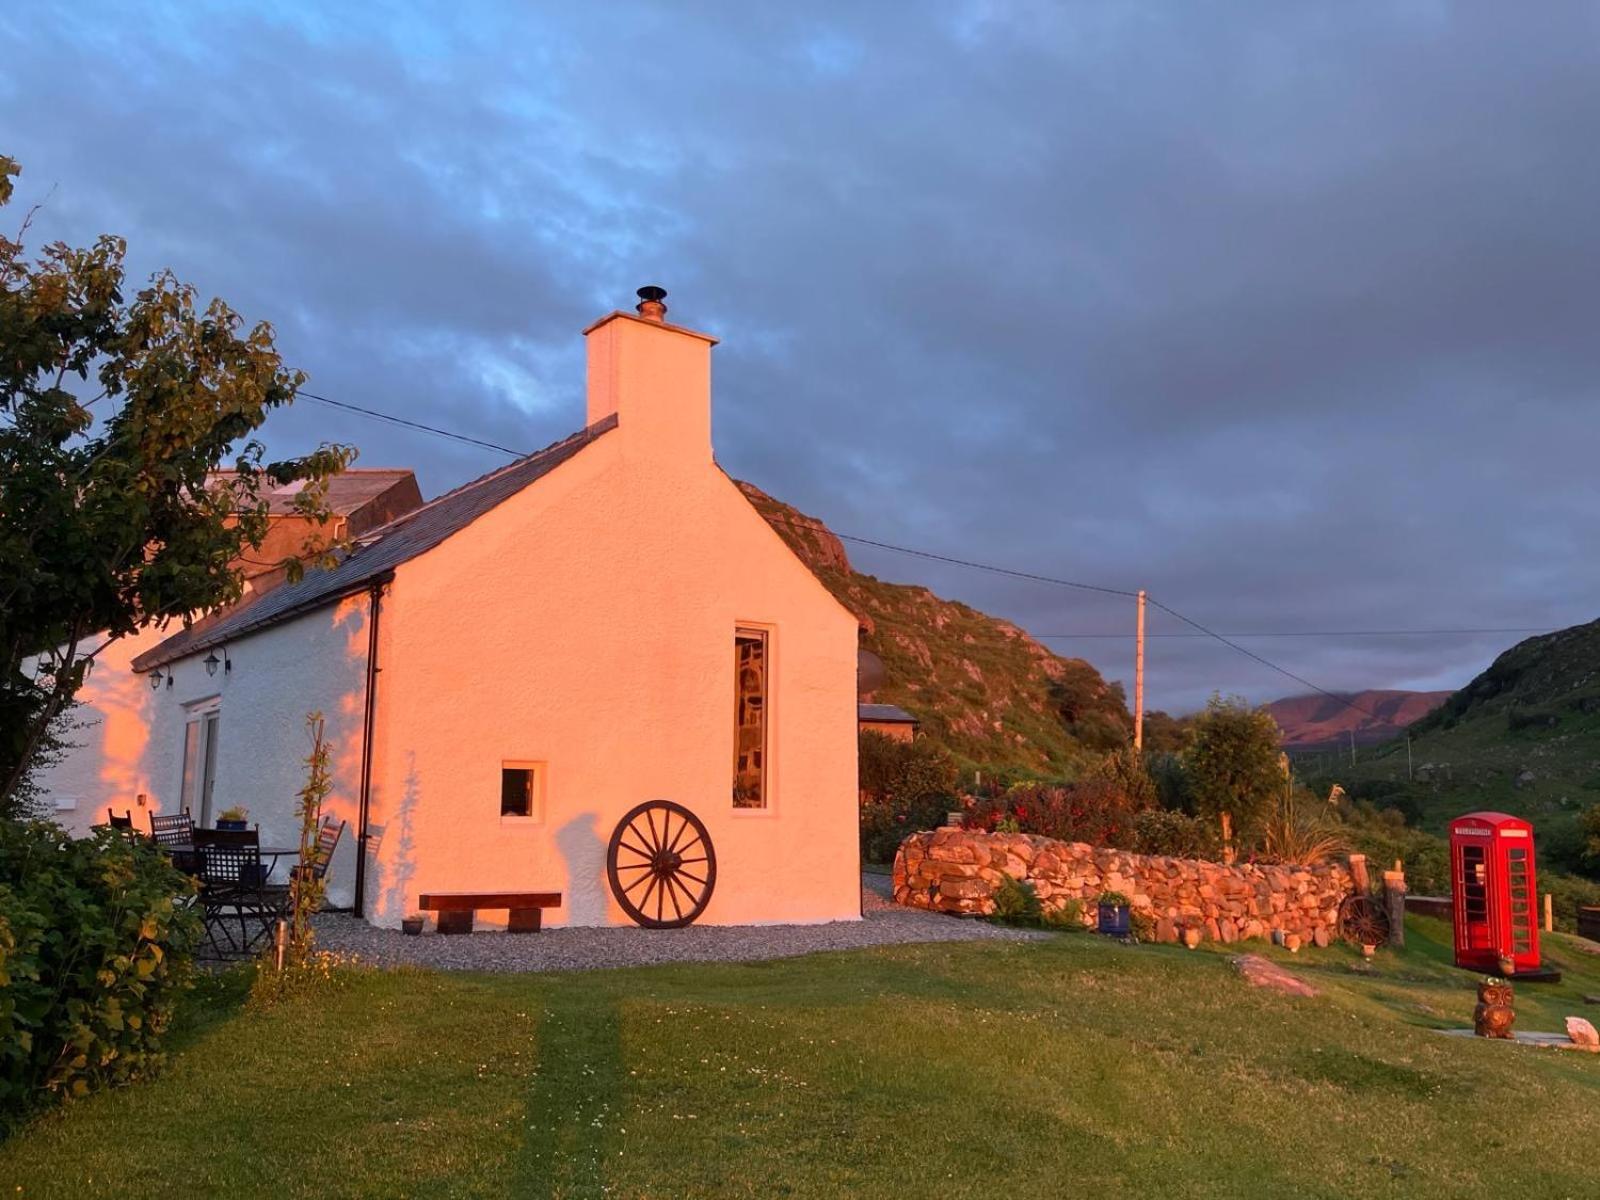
(1363, 922)
(661, 865)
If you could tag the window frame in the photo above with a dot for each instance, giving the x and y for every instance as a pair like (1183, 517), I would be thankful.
(540, 770)
(768, 633)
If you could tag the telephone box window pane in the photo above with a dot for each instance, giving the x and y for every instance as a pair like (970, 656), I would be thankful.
(516, 791)
(750, 719)
(1475, 883)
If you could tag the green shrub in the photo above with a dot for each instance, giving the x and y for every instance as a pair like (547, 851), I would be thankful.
(1067, 915)
(93, 953)
(1016, 902)
(1162, 831)
(1383, 836)
(1143, 924)
(906, 787)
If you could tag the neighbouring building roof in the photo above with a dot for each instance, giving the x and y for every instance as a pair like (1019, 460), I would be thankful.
(376, 554)
(887, 713)
(350, 493)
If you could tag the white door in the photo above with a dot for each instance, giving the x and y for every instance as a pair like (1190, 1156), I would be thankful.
(200, 761)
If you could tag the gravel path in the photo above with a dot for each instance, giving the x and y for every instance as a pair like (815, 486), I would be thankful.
(883, 924)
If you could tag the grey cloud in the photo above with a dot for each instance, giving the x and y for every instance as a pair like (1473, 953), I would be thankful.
(1284, 313)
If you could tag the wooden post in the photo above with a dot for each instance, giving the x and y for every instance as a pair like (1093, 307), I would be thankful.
(1358, 872)
(1549, 913)
(1394, 899)
(1138, 677)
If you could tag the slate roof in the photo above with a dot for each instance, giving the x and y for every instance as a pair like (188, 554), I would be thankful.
(376, 554)
(348, 491)
(885, 712)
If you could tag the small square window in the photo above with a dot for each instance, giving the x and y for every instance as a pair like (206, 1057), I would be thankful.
(520, 789)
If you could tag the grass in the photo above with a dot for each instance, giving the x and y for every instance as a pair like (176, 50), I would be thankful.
(1071, 1065)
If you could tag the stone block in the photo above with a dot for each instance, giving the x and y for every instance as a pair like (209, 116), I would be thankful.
(963, 889)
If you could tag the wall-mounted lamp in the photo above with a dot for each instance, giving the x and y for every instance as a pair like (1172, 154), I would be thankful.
(212, 663)
(155, 680)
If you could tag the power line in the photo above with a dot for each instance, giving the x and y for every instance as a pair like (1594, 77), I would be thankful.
(977, 566)
(1266, 662)
(418, 425)
(1202, 631)
(1309, 633)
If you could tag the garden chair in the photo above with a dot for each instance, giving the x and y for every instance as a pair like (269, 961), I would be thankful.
(328, 835)
(239, 907)
(176, 830)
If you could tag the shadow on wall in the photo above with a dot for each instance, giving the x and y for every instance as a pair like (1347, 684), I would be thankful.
(390, 873)
(583, 852)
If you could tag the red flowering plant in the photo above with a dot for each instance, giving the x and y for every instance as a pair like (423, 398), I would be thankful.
(1093, 810)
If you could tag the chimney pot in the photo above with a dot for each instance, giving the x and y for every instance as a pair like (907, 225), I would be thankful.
(650, 306)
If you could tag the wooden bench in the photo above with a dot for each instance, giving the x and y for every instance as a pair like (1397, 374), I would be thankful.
(455, 909)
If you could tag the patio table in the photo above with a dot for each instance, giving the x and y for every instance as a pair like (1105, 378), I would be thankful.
(273, 852)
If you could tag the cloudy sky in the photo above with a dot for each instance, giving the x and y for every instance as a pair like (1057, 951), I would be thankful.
(1283, 312)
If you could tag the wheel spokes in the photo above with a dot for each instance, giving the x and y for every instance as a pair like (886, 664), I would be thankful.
(664, 845)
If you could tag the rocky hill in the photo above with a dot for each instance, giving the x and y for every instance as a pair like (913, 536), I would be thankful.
(981, 686)
(1317, 721)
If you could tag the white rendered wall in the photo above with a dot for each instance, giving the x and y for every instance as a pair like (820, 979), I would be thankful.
(130, 743)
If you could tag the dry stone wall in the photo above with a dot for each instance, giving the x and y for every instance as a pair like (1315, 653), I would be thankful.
(957, 871)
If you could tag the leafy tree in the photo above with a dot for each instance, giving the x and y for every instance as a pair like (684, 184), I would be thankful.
(112, 417)
(1165, 733)
(1125, 770)
(1093, 711)
(1233, 764)
(1590, 854)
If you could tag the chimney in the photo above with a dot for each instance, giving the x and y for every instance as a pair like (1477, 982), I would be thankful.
(655, 377)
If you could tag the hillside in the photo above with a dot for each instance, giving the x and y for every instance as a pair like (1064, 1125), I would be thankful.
(1522, 737)
(981, 686)
(1318, 721)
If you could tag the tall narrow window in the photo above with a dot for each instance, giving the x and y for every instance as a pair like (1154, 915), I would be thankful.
(750, 719)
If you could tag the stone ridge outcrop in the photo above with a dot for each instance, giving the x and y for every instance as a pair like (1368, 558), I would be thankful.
(957, 871)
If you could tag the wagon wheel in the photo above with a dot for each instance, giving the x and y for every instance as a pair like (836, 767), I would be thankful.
(1363, 921)
(661, 865)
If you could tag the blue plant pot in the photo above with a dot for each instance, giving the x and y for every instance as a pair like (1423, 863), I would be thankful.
(1114, 920)
(235, 826)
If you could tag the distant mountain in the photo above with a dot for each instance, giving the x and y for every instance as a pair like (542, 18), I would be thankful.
(981, 687)
(1317, 721)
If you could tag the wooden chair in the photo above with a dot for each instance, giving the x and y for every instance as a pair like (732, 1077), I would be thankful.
(125, 821)
(328, 835)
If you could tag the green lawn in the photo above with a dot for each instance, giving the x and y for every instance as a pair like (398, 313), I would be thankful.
(1070, 1067)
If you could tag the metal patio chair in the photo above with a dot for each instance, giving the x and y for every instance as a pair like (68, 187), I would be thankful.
(239, 907)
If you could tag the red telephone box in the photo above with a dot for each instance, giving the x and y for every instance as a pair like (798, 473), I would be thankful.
(1493, 892)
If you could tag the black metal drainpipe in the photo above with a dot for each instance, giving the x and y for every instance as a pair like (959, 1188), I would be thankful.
(375, 606)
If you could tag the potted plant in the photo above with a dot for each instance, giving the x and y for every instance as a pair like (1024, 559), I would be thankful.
(1114, 919)
(233, 818)
(412, 926)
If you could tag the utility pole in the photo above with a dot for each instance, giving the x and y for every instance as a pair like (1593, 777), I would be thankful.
(1138, 680)
(1352, 747)
(1409, 775)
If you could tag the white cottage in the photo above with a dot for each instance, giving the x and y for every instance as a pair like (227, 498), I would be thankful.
(510, 670)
